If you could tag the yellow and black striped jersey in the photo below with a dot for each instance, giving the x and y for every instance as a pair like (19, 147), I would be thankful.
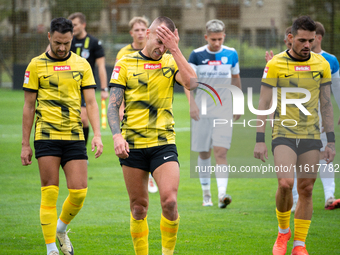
(284, 71)
(128, 49)
(148, 120)
(58, 84)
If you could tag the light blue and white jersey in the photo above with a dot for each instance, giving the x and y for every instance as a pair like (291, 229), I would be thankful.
(214, 69)
(334, 63)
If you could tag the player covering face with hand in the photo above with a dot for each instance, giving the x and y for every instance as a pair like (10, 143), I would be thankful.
(146, 140)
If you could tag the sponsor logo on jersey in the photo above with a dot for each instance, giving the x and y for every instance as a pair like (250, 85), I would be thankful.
(214, 62)
(115, 73)
(265, 72)
(153, 66)
(62, 68)
(27, 77)
(205, 60)
(302, 68)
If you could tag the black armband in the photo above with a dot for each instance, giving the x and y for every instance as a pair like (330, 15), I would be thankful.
(330, 137)
(259, 137)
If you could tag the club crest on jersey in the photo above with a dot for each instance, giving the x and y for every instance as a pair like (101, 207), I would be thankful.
(62, 68)
(167, 72)
(85, 53)
(316, 76)
(27, 77)
(214, 62)
(302, 68)
(115, 73)
(224, 60)
(76, 76)
(152, 66)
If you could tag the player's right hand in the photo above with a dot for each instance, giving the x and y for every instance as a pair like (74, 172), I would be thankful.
(261, 151)
(26, 155)
(121, 146)
(194, 111)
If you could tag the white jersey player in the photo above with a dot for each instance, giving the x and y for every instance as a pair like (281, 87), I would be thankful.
(216, 66)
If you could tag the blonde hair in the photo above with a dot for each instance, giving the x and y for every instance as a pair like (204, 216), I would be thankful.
(135, 20)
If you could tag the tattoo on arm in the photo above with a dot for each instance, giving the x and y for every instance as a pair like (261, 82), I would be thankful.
(116, 98)
(326, 108)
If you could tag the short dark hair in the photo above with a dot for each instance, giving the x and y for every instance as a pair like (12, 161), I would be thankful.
(81, 16)
(61, 25)
(167, 21)
(320, 30)
(303, 23)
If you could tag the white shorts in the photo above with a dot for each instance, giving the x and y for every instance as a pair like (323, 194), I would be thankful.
(205, 136)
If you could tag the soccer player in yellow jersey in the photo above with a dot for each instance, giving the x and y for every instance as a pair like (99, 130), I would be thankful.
(53, 82)
(301, 78)
(146, 140)
(138, 27)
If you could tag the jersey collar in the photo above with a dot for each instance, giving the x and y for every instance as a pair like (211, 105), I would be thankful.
(147, 58)
(213, 52)
(298, 60)
(58, 60)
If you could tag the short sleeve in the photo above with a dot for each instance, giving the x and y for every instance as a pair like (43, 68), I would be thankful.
(269, 77)
(235, 68)
(31, 81)
(327, 76)
(119, 75)
(88, 79)
(98, 50)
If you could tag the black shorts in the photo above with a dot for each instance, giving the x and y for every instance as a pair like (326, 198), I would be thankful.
(66, 150)
(148, 159)
(299, 146)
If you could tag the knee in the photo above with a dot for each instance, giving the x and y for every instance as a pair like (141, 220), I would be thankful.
(139, 209)
(220, 154)
(286, 184)
(305, 189)
(169, 204)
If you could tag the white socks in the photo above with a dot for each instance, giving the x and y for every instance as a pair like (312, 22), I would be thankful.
(284, 231)
(51, 247)
(327, 178)
(61, 226)
(222, 179)
(204, 174)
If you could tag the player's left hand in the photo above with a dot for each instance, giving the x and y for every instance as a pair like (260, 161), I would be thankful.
(104, 95)
(329, 152)
(97, 142)
(168, 38)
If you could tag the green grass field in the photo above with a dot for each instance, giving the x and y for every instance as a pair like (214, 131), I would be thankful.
(247, 226)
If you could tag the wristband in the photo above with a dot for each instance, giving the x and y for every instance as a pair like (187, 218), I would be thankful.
(106, 89)
(330, 137)
(259, 137)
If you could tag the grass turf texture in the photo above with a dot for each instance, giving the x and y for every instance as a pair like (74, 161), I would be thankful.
(247, 226)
